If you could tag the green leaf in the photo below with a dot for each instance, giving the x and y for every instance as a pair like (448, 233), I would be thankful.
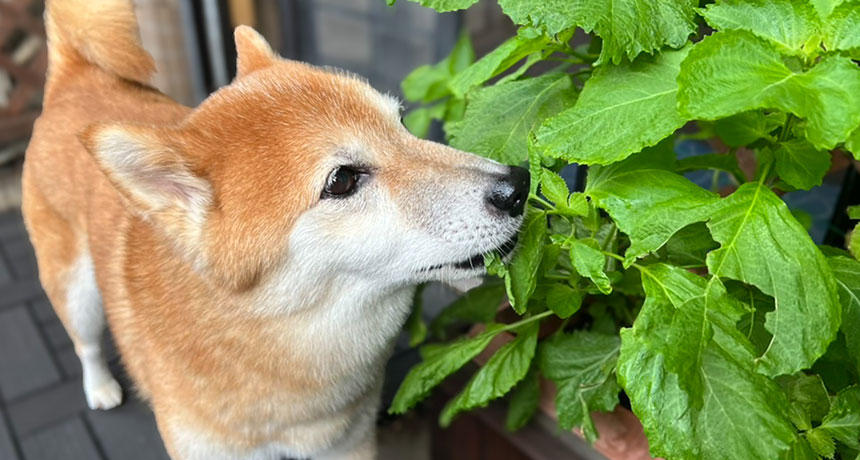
(582, 365)
(732, 72)
(843, 420)
(526, 42)
(440, 362)
(498, 118)
(747, 127)
(554, 187)
(589, 261)
(853, 143)
(688, 373)
(825, 7)
(841, 28)
(415, 323)
(800, 450)
(418, 121)
(495, 378)
(621, 110)
(478, 305)
(430, 82)
(446, 5)
(564, 300)
(649, 205)
(800, 164)
(522, 272)
(853, 212)
(790, 24)
(717, 161)
(690, 245)
(627, 28)
(807, 397)
(821, 442)
(524, 401)
(763, 245)
(847, 274)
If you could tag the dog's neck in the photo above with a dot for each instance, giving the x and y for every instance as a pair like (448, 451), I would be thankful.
(345, 322)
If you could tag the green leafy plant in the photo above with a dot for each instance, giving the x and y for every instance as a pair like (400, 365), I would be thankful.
(732, 334)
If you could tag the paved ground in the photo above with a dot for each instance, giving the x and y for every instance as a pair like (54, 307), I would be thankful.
(43, 414)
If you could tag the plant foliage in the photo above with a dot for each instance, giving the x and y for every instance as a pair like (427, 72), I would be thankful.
(730, 331)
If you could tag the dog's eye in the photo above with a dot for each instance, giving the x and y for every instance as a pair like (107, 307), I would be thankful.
(341, 182)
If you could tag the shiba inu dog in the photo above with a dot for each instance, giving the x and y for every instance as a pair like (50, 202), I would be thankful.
(255, 257)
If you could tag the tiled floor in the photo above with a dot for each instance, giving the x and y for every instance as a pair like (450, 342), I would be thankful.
(43, 414)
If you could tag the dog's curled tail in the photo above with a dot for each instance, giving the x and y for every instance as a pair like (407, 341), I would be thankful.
(99, 32)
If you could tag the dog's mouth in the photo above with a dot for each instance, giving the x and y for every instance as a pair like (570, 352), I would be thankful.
(477, 260)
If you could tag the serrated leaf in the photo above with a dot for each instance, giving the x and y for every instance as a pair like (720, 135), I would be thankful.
(621, 110)
(439, 362)
(577, 204)
(732, 72)
(649, 205)
(582, 365)
(843, 420)
(853, 143)
(524, 401)
(800, 164)
(522, 271)
(498, 118)
(846, 271)
(807, 397)
(747, 127)
(526, 42)
(690, 245)
(763, 245)
(478, 305)
(800, 450)
(627, 28)
(430, 82)
(446, 5)
(825, 7)
(417, 121)
(564, 300)
(688, 373)
(553, 187)
(821, 443)
(589, 262)
(716, 161)
(787, 23)
(495, 378)
(842, 27)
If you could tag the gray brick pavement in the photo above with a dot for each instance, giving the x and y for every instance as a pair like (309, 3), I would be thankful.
(43, 413)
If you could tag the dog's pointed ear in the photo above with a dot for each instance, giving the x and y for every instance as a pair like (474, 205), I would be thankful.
(252, 50)
(148, 168)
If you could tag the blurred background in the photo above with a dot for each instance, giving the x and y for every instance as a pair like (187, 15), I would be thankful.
(42, 411)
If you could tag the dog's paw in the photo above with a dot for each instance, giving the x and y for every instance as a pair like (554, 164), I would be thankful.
(106, 395)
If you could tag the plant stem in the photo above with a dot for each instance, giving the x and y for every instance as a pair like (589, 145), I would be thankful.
(521, 322)
(540, 200)
(786, 128)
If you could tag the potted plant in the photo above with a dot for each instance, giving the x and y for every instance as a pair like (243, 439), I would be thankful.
(730, 331)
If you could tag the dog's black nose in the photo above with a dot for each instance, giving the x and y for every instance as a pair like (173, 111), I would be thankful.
(510, 192)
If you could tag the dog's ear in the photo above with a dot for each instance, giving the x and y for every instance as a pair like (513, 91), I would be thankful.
(148, 168)
(252, 51)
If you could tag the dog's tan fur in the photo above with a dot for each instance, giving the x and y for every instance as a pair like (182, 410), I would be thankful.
(188, 218)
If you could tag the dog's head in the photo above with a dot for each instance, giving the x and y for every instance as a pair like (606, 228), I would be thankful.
(292, 164)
